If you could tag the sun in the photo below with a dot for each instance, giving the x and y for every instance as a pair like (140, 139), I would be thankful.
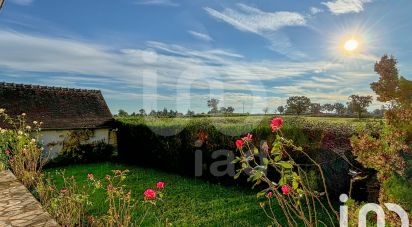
(351, 45)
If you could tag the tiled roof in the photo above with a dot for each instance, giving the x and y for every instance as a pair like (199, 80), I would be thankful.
(56, 107)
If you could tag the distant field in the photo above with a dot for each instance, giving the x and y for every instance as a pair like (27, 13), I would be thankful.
(242, 122)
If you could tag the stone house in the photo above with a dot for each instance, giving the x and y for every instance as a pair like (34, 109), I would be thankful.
(62, 111)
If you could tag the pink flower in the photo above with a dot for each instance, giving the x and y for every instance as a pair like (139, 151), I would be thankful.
(117, 172)
(276, 123)
(64, 190)
(160, 185)
(149, 194)
(286, 189)
(90, 176)
(269, 194)
(247, 138)
(239, 144)
(7, 152)
(110, 187)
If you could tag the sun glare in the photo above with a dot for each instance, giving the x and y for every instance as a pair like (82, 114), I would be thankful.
(351, 45)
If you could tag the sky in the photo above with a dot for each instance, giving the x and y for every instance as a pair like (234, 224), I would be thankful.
(154, 54)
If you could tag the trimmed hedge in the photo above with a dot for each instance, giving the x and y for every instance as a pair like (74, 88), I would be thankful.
(141, 144)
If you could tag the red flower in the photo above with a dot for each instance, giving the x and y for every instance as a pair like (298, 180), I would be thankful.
(149, 194)
(160, 185)
(7, 152)
(276, 123)
(90, 176)
(64, 190)
(286, 189)
(247, 138)
(269, 195)
(239, 144)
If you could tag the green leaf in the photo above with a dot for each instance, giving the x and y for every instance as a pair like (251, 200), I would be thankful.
(255, 150)
(295, 185)
(236, 160)
(237, 175)
(282, 181)
(265, 161)
(286, 165)
(278, 158)
(260, 194)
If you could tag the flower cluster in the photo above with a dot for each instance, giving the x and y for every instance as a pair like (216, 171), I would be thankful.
(151, 194)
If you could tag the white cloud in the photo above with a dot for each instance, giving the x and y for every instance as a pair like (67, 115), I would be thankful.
(175, 74)
(264, 24)
(254, 20)
(314, 10)
(346, 6)
(201, 36)
(22, 2)
(157, 2)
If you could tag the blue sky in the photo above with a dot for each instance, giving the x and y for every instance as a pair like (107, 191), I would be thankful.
(177, 54)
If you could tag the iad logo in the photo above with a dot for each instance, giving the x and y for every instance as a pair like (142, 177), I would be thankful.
(363, 212)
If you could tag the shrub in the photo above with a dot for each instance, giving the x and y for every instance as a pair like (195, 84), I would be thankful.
(24, 155)
(291, 190)
(85, 153)
(76, 148)
(325, 143)
(68, 204)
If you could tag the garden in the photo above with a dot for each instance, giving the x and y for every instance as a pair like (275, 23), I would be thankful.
(230, 171)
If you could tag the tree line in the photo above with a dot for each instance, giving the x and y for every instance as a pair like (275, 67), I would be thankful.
(298, 105)
(357, 105)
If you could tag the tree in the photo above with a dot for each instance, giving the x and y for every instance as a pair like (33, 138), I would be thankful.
(358, 103)
(1, 4)
(298, 104)
(265, 110)
(281, 109)
(339, 108)
(190, 113)
(377, 112)
(223, 109)
(315, 108)
(212, 104)
(122, 113)
(142, 112)
(390, 87)
(328, 107)
(230, 109)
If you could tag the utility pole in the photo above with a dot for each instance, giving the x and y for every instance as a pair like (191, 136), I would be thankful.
(243, 102)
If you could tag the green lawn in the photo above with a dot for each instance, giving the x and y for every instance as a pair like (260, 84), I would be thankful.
(187, 201)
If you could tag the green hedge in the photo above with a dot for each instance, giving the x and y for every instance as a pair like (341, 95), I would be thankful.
(143, 143)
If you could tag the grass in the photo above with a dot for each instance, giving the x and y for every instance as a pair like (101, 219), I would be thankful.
(237, 121)
(188, 202)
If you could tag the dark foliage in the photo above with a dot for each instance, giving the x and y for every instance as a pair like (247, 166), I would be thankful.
(328, 145)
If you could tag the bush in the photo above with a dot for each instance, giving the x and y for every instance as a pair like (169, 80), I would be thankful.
(22, 153)
(85, 153)
(177, 153)
(76, 148)
(398, 190)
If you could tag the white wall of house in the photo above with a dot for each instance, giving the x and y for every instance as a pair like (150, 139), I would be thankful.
(52, 139)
